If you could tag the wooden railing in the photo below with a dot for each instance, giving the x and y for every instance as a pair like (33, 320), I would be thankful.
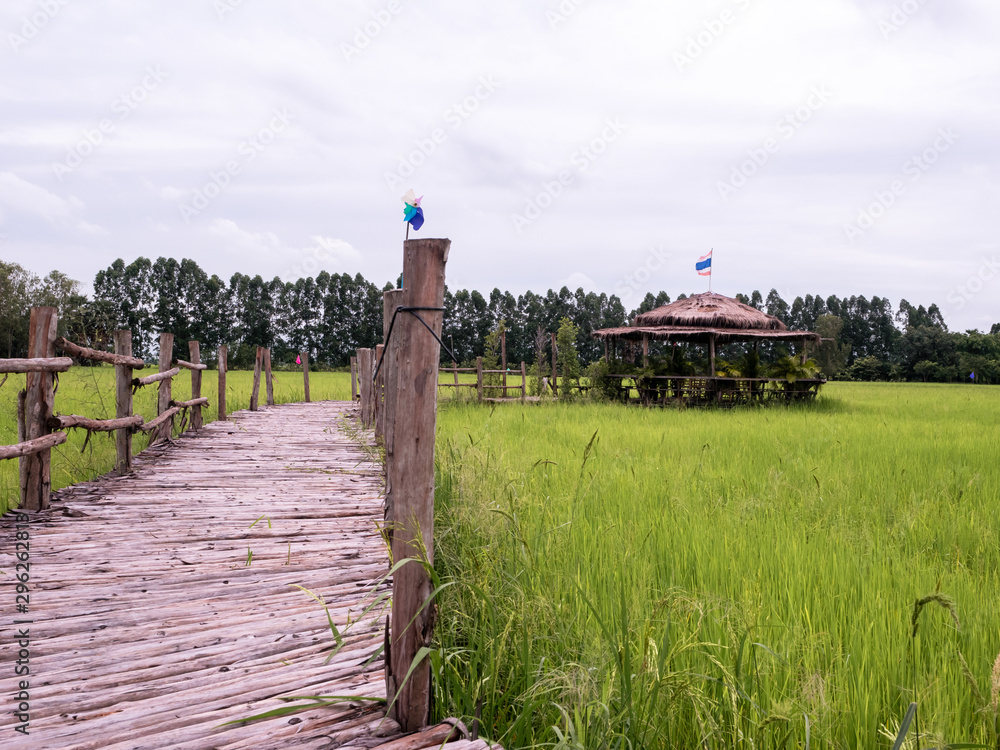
(40, 428)
(703, 389)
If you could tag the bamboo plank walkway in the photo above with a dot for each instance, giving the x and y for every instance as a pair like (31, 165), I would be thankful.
(151, 623)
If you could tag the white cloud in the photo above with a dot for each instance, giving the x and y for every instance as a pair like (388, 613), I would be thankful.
(25, 197)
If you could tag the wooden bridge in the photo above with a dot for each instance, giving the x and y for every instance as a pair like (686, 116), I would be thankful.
(168, 603)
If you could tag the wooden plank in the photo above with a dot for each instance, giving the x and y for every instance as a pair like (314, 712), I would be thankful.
(32, 447)
(65, 422)
(412, 477)
(159, 377)
(39, 406)
(194, 351)
(36, 364)
(268, 380)
(82, 352)
(223, 367)
(192, 365)
(258, 363)
(123, 402)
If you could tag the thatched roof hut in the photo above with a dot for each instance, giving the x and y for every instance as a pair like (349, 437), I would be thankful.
(707, 318)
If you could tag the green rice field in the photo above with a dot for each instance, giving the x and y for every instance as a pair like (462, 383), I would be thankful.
(635, 578)
(617, 577)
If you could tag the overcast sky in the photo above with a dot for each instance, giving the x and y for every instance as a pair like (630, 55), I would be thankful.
(821, 146)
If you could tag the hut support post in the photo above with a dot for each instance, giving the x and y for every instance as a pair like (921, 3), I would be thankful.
(711, 356)
(165, 393)
(39, 405)
(645, 350)
(258, 363)
(305, 373)
(268, 380)
(607, 354)
(223, 366)
(555, 357)
(194, 350)
(413, 481)
(123, 403)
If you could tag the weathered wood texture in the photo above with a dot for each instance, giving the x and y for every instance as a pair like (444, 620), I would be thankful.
(223, 367)
(365, 386)
(123, 402)
(305, 373)
(82, 352)
(411, 473)
(36, 484)
(354, 378)
(193, 364)
(378, 394)
(150, 630)
(390, 301)
(53, 364)
(194, 348)
(166, 418)
(258, 363)
(268, 380)
(31, 447)
(159, 377)
(165, 395)
(64, 422)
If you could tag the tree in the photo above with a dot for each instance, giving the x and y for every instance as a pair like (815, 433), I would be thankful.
(17, 289)
(568, 360)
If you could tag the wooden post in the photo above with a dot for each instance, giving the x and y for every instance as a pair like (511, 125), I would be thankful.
(194, 348)
(454, 367)
(645, 350)
(377, 403)
(711, 355)
(479, 377)
(255, 391)
(39, 405)
(267, 377)
(223, 366)
(305, 372)
(165, 393)
(413, 479)
(22, 436)
(354, 378)
(365, 385)
(555, 353)
(123, 402)
(524, 382)
(607, 355)
(503, 360)
(390, 301)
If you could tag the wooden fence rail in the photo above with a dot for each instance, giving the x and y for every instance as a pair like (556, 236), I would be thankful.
(480, 384)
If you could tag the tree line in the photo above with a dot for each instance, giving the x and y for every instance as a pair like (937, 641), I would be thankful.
(332, 315)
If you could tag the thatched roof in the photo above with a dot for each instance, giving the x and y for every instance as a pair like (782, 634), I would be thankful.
(688, 333)
(710, 310)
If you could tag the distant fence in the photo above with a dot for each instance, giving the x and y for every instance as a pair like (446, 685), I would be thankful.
(40, 429)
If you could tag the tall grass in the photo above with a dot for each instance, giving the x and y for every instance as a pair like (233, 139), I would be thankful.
(656, 579)
(90, 392)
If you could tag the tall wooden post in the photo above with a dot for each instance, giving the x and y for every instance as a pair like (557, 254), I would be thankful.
(305, 372)
(267, 377)
(223, 367)
(479, 378)
(165, 396)
(503, 359)
(365, 386)
(123, 402)
(354, 378)
(22, 435)
(390, 301)
(39, 405)
(645, 350)
(255, 391)
(378, 405)
(194, 347)
(711, 355)
(524, 381)
(413, 479)
(555, 356)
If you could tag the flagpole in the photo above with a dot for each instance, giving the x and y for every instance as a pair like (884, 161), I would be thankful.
(710, 268)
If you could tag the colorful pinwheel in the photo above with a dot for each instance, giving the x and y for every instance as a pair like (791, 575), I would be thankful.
(412, 212)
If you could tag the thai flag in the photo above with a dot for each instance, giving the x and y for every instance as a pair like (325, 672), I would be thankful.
(704, 265)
